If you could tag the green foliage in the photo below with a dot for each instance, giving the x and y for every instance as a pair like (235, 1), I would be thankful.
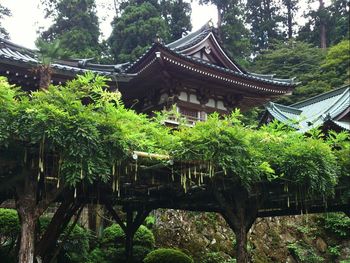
(75, 26)
(263, 18)
(177, 14)
(48, 51)
(167, 255)
(9, 226)
(337, 61)
(135, 30)
(304, 252)
(337, 224)
(249, 156)
(317, 71)
(335, 17)
(139, 253)
(114, 235)
(334, 251)
(88, 137)
(150, 221)
(76, 246)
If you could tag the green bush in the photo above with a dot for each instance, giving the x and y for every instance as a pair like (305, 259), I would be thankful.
(9, 231)
(9, 226)
(337, 224)
(167, 255)
(139, 253)
(76, 246)
(115, 235)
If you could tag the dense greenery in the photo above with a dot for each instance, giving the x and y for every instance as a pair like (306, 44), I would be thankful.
(140, 23)
(114, 235)
(135, 30)
(88, 138)
(316, 70)
(75, 25)
(249, 156)
(167, 255)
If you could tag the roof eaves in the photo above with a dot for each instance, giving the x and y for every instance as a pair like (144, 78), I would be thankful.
(247, 76)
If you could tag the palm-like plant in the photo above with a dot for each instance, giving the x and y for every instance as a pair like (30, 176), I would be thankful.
(47, 52)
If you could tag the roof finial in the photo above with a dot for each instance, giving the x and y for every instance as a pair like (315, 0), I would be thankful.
(210, 23)
(158, 39)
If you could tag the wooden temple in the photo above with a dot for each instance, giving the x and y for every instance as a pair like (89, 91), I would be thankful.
(195, 72)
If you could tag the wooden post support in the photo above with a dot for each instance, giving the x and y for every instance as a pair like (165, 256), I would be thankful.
(132, 224)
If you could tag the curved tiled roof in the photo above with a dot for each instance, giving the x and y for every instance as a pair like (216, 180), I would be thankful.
(315, 111)
(249, 76)
(15, 53)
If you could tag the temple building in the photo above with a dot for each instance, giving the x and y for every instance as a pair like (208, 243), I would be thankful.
(194, 72)
(330, 111)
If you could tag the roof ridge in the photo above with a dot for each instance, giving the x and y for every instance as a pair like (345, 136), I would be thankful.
(320, 97)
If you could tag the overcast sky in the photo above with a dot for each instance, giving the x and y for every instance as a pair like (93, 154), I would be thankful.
(28, 17)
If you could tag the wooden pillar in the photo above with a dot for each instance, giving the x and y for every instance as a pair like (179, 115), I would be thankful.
(240, 212)
(132, 224)
(129, 235)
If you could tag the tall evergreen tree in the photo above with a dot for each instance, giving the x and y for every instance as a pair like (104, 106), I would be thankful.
(231, 26)
(234, 33)
(177, 13)
(4, 11)
(75, 25)
(340, 14)
(327, 25)
(135, 29)
(264, 18)
(291, 7)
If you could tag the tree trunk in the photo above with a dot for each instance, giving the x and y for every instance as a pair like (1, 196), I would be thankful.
(241, 240)
(323, 37)
(26, 208)
(44, 77)
(26, 251)
(289, 19)
(240, 212)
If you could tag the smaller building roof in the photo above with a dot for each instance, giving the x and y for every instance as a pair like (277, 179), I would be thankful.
(16, 54)
(331, 106)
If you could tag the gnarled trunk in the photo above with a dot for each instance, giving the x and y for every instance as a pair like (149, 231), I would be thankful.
(26, 250)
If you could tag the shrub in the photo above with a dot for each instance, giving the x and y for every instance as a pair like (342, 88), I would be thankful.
(167, 255)
(115, 235)
(338, 224)
(76, 246)
(139, 253)
(9, 226)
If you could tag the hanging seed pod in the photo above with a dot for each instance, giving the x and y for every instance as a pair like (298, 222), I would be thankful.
(172, 174)
(288, 204)
(25, 156)
(136, 170)
(75, 192)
